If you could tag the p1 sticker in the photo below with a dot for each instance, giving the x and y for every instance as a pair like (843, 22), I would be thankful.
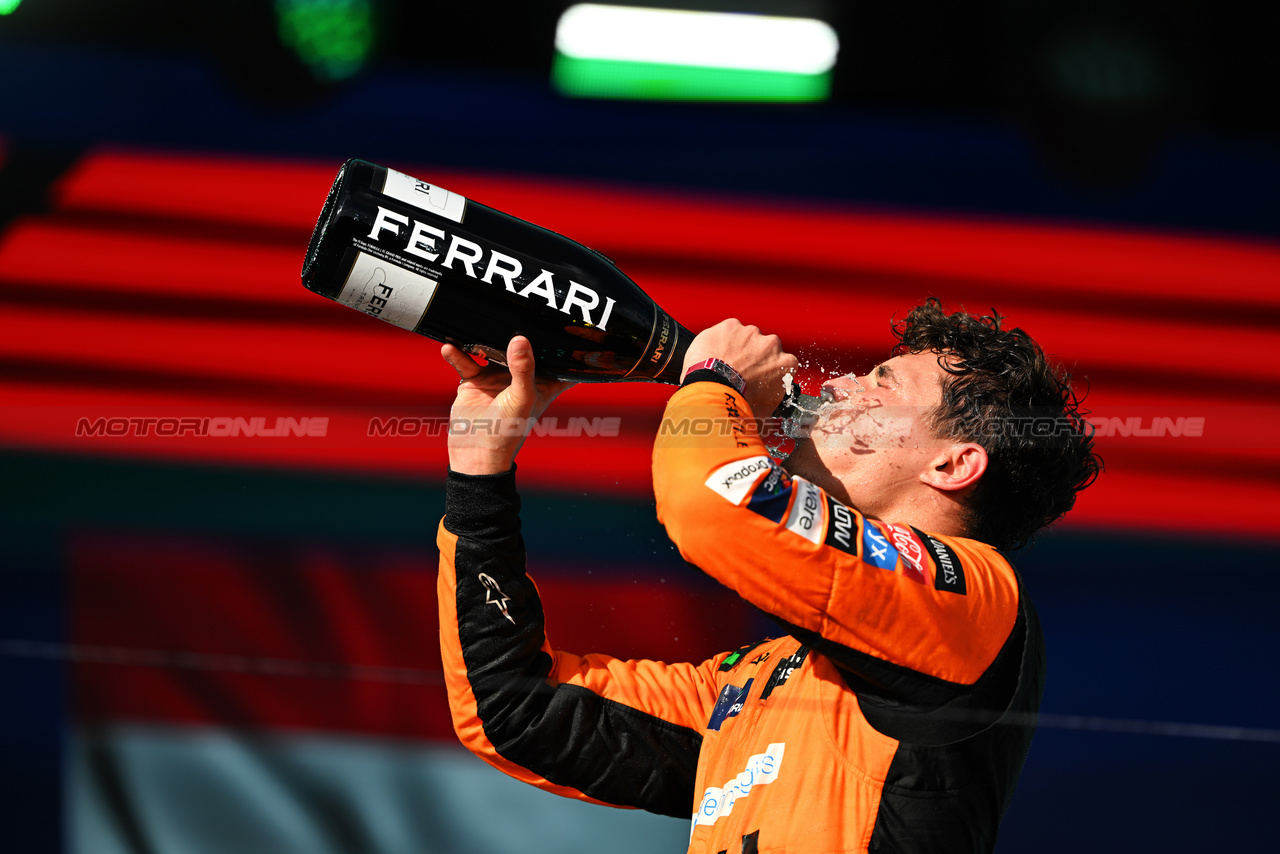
(387, 291)
(428, 197)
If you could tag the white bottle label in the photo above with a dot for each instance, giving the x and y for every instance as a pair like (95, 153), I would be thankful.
(388, 292)
(420, 194)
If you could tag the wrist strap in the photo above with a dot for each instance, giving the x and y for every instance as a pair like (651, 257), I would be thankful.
(723, 369)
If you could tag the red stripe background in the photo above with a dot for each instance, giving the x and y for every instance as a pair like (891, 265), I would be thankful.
(203, 630)
(163, 283)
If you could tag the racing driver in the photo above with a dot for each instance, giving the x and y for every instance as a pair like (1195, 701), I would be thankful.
(895, 709)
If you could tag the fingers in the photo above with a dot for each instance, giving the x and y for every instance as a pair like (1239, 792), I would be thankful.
(522, 393)
(746, 348)
(466, 366)
(758, 358)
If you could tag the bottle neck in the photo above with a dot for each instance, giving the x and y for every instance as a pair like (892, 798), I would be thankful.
(799, 411)
(672, 370)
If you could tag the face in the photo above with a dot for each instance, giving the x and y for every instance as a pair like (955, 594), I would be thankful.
(871, 443)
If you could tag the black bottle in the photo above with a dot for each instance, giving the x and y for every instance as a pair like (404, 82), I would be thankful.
(436, 263)
(444, 266)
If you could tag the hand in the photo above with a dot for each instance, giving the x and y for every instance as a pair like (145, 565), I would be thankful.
(758, 358)
(499, 404)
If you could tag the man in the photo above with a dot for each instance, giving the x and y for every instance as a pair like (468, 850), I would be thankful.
(896, 711)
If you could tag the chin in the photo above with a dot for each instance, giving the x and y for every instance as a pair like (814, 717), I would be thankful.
(804, 462)
(795, 461)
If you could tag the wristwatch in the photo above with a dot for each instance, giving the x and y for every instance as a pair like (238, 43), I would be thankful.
(724, 369)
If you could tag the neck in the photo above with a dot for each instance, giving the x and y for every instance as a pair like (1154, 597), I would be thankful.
(920, 506)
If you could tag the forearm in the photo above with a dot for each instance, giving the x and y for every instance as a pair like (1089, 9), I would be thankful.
(592, 728)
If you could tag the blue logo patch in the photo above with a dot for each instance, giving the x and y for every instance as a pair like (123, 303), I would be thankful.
(773, 495)
(876, 549)
(728, 704)
(772, 507)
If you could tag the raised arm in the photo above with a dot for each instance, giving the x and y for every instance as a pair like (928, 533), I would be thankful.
(909, 616)
(622, 733)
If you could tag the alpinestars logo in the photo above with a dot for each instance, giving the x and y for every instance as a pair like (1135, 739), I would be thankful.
(493, 595)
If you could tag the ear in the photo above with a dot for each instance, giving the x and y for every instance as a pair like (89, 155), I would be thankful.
(956, 467)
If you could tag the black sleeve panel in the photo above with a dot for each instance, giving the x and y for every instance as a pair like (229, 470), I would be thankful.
(949, 795)
(567, 734)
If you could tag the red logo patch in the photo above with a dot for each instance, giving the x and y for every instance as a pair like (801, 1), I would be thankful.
(911, 549)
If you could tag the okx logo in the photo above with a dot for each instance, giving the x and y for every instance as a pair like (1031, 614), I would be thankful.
(876, 549)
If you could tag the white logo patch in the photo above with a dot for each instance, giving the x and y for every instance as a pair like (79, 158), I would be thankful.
(387, 291)
(493, 595)
(428, 197)
(761, 769)
(736, 480)
(808, 511)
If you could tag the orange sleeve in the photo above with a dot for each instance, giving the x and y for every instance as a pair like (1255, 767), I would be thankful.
(622, 733)
(898, 607)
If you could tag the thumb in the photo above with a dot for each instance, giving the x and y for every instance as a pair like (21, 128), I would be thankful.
(521, 394)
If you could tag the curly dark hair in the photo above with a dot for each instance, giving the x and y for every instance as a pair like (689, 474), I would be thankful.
(1005, 395)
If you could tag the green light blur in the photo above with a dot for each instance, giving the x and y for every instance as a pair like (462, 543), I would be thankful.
(334, 38)
(7, 6)
(607, 78)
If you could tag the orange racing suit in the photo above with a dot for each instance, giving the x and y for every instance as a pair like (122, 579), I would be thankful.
(894, 715)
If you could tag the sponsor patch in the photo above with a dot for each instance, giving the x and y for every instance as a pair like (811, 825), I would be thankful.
(949, 573)
(842, 527)
(735, 480)
(761, 769)
(387, 291)
(772, 496)
(876, 548)
(910, 549)
(729, 704)
(424, 196)
(807, 511)
(493, 595)
(735, 657)
(782, 672)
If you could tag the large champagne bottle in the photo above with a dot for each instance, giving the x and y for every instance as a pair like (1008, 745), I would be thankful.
(436, 263)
